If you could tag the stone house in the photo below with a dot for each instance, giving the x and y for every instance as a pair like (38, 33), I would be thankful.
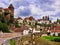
(7, 12)
(20, 21)
(44, 20)
(55, 30)
(30, 20)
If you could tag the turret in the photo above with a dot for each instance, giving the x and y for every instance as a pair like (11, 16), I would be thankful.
(11, 7)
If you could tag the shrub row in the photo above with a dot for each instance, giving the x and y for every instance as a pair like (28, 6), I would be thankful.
(56, 39)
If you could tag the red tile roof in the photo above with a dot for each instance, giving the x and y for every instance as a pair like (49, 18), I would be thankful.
(19, 18)
(55, 30)
(26, 18)
(31, 18)
(18, 30)
(21, 29)
(6, 9)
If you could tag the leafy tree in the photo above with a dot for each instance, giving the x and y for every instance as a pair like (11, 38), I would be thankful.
(5, 28)
(11, 19)
(3, 20)
(8, 23)
(48, 25)
(41, 24)
(58, 20)
(0, 17)
(1, 26)
(33, 26)
(16, 24)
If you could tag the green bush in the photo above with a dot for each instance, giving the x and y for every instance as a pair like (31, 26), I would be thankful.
(4, 27)
(56, 39)
(52, 38)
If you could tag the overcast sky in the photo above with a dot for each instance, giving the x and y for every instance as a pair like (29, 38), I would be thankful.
(35, 8)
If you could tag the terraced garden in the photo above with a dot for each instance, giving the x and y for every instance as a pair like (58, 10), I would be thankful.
(37, 41)
(34, 40)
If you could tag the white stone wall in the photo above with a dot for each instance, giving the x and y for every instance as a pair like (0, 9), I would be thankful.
(25, 32)
(47, 22)
(56, 33)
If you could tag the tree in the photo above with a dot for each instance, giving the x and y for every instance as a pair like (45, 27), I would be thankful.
(41, 24)
(58, 20)
(5, 28)
(32, 26)
(0, 17)
(48, 25)
(1, 26)
(16, 24)
(11, 19)
(3, 20)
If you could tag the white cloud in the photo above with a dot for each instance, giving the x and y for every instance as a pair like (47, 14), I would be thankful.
(17, 11)
(38, 11)
(22, 7)
(56, 5)
(3, 5)
(35, 10)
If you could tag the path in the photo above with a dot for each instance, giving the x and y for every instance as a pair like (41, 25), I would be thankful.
(7, 36)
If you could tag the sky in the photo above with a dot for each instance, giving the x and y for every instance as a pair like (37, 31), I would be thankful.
(35, 8)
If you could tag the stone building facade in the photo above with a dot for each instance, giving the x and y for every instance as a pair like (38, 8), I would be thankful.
(7, 13)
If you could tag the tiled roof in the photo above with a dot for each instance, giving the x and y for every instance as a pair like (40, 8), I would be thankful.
(29, 18)
(19, 18)
(6, 9)
(21, 29)
(18, 30)
(55, 30)
(26, 18)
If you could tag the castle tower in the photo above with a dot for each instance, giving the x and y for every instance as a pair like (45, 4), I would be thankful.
(45, 17)
(11, 7)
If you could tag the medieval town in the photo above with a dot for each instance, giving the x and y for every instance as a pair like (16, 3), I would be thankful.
(28, 30)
